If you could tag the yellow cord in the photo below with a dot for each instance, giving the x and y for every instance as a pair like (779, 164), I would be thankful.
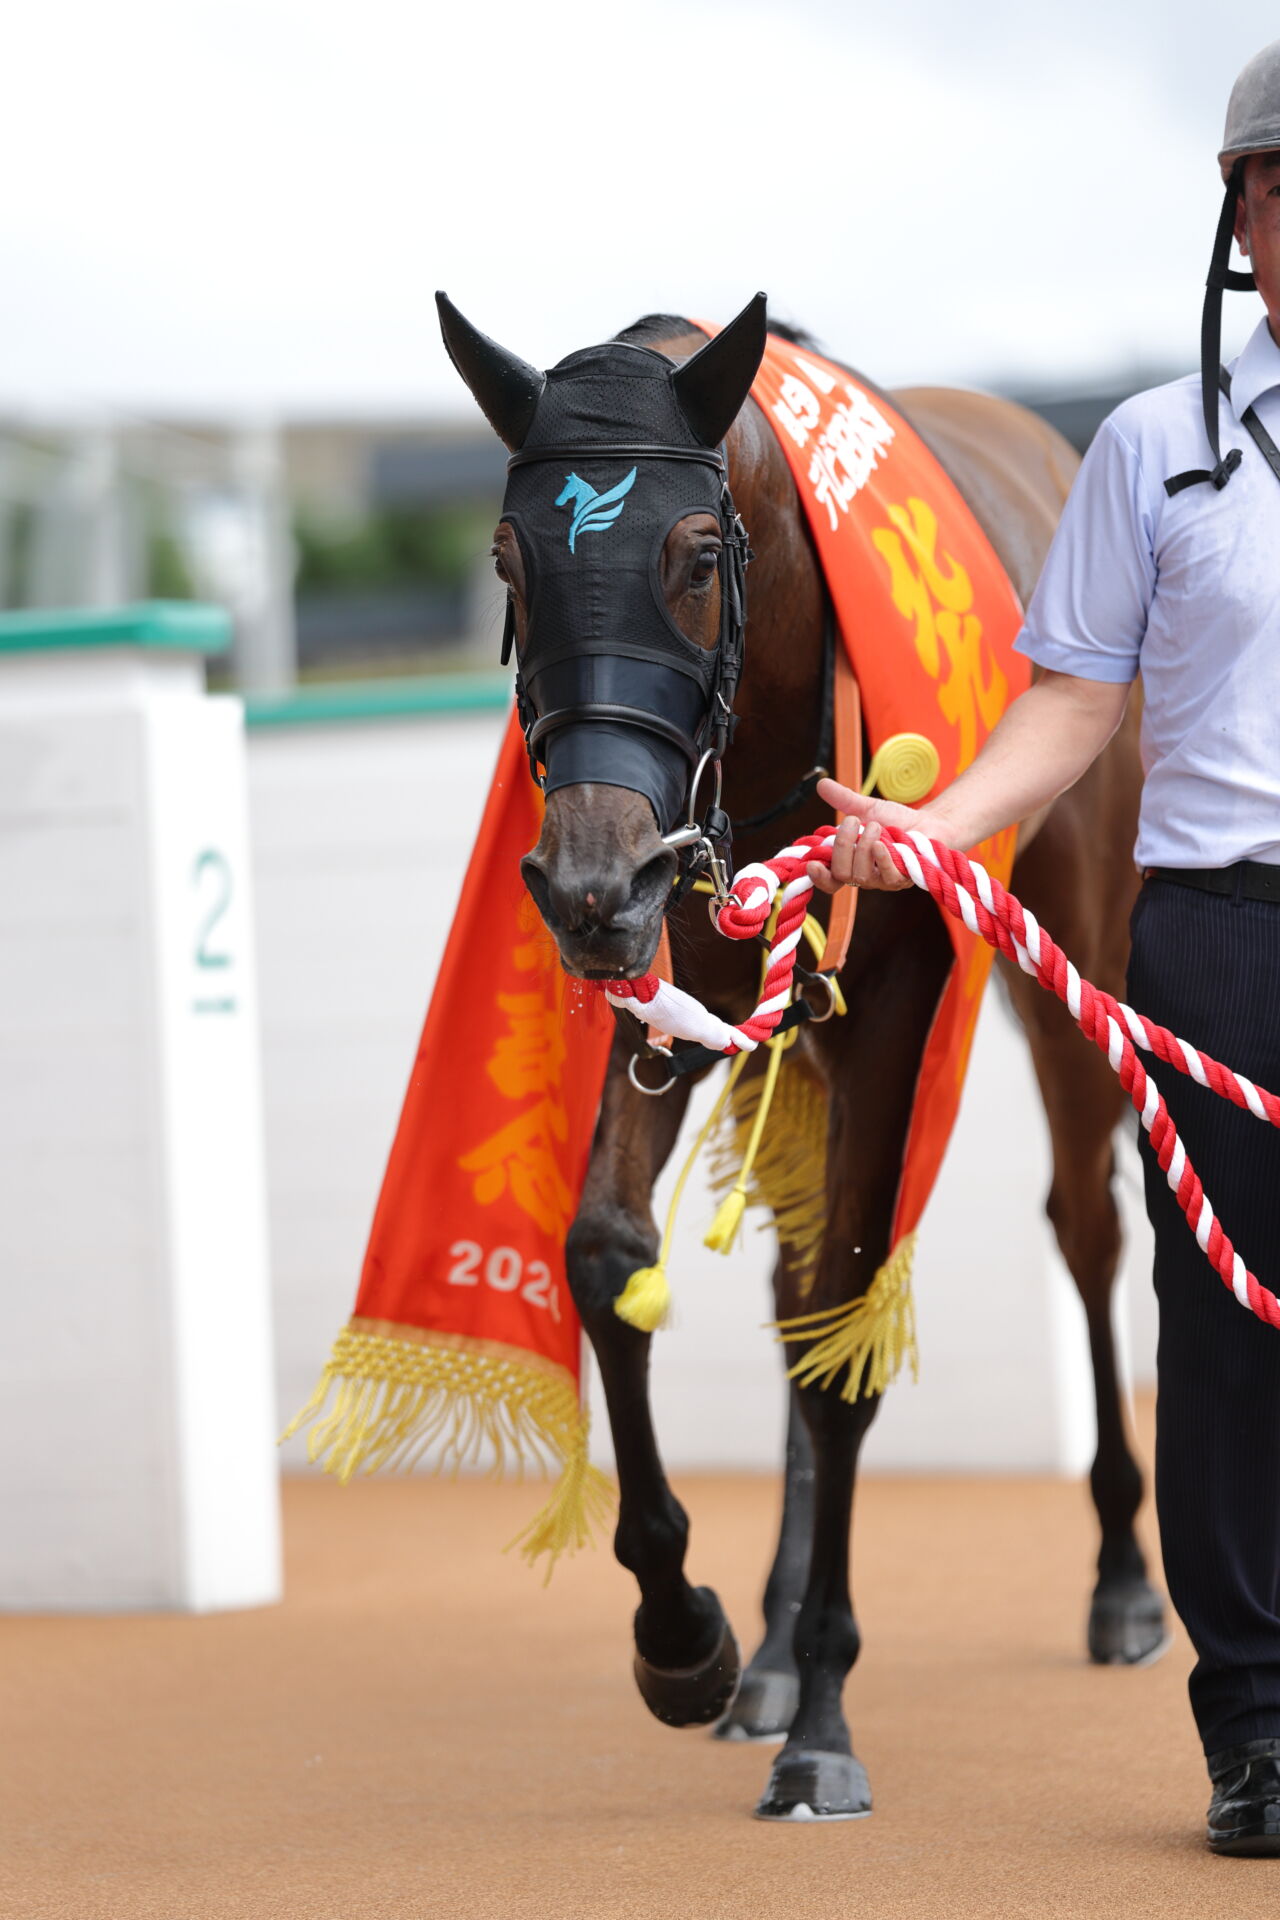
(904, 767)
(723, 1231)
(645, 1300)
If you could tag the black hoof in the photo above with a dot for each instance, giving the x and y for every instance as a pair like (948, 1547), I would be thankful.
(765, 1706)
(693, 1696)
(808, 1785)
(1127, 1625)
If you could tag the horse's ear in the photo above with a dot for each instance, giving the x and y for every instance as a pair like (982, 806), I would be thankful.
(506, 389)
(713, 385)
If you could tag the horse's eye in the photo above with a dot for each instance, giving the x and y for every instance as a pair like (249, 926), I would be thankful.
(704, 567)
(498, 567)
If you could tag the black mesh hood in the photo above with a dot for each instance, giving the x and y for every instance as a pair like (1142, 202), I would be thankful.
(610, 393)
(592, 529)
(609, 465)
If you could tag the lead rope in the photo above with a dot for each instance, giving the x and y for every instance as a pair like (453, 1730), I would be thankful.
(964, 889)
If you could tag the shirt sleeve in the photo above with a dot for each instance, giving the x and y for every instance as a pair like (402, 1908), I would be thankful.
(1088, 614)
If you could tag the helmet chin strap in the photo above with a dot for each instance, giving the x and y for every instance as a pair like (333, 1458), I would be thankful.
(1221, 278)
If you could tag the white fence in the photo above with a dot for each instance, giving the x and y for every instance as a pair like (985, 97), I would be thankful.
(359, 831)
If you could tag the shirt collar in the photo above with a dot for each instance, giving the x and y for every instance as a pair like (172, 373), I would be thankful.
(1257, 369)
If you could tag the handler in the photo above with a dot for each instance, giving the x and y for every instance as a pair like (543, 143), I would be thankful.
(1167, 567)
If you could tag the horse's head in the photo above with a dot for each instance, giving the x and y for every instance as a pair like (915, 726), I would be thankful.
(622, 557)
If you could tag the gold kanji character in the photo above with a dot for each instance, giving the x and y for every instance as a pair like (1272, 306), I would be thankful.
(529, 1055)
(521, 1157)
(936, 594)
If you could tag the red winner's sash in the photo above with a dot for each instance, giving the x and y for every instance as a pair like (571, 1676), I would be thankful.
(929, 618)
(464, 1338)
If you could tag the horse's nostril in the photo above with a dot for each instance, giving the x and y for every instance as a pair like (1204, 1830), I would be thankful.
(652, 883)
(536, 882)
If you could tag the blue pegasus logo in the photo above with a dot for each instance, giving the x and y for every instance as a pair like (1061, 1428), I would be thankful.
(592, 511)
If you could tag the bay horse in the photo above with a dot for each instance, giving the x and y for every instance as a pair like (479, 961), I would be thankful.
(601, 876)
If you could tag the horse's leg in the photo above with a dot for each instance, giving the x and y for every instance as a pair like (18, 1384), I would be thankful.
(770, 1690)
(817, 1774)
(870, 1056)
(1067, 879)
(686, 1661)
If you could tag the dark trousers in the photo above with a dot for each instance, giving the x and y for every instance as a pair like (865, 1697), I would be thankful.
(1208, 967)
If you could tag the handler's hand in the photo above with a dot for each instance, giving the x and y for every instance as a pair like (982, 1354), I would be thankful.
(859, 857)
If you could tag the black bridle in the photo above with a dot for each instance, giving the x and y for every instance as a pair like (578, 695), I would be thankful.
(702, 840)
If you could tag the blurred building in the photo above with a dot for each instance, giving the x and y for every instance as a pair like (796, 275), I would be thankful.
(343, 548)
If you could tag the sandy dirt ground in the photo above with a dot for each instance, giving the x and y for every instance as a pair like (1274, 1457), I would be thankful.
(423, 1730)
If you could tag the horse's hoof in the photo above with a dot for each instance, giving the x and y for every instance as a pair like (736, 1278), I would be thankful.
(693, 1696)
(765, 1706)
(809, 1785)
(1127, 1625)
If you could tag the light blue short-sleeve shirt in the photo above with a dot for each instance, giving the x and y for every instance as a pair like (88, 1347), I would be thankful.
(1185, 591)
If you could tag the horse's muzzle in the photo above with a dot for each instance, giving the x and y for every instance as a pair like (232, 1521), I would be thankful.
(604, 914)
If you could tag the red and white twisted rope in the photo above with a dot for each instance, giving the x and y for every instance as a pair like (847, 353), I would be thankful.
(965, 889)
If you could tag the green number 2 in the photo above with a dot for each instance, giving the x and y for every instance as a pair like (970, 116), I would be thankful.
(211, 861)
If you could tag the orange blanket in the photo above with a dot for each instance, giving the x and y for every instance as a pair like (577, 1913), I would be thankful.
(464, 1339)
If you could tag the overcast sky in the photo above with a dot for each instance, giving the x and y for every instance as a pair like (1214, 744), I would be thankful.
(247, 205)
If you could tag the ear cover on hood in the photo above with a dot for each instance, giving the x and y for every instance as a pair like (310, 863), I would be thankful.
(505, 388)
(712, 386)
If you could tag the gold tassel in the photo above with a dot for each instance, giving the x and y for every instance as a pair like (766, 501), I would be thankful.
(789, 1175)
(645, 1301)
(723, 1230)
(872, 1336)
(395, 1398)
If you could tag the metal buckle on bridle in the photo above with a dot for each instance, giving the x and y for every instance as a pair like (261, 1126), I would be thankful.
(651, 1093)
(805, 980)
(703, 839)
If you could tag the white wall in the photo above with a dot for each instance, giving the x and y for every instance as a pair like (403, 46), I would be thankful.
(136, 1458)
(360, 832)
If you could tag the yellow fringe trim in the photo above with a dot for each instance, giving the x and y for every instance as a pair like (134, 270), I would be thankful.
(872, 1336)
(395, 1399)
(789, 1174)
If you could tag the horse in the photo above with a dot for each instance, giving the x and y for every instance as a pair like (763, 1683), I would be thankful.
(601, 876)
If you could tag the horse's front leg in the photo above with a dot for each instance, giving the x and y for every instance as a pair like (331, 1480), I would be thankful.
(770, 1690)
(686, 1661)
(817, 1774)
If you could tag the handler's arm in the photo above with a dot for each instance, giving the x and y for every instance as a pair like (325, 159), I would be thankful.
(1085, 626)
(1043, 744)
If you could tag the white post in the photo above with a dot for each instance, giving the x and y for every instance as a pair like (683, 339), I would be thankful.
(266, 644)
(137, 1465)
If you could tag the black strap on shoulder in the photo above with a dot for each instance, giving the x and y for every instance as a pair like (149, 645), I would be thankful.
(1253, 426)
(1262, 439)
(1221, 278)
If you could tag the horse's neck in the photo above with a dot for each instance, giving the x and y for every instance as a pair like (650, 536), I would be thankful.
(781, 698)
